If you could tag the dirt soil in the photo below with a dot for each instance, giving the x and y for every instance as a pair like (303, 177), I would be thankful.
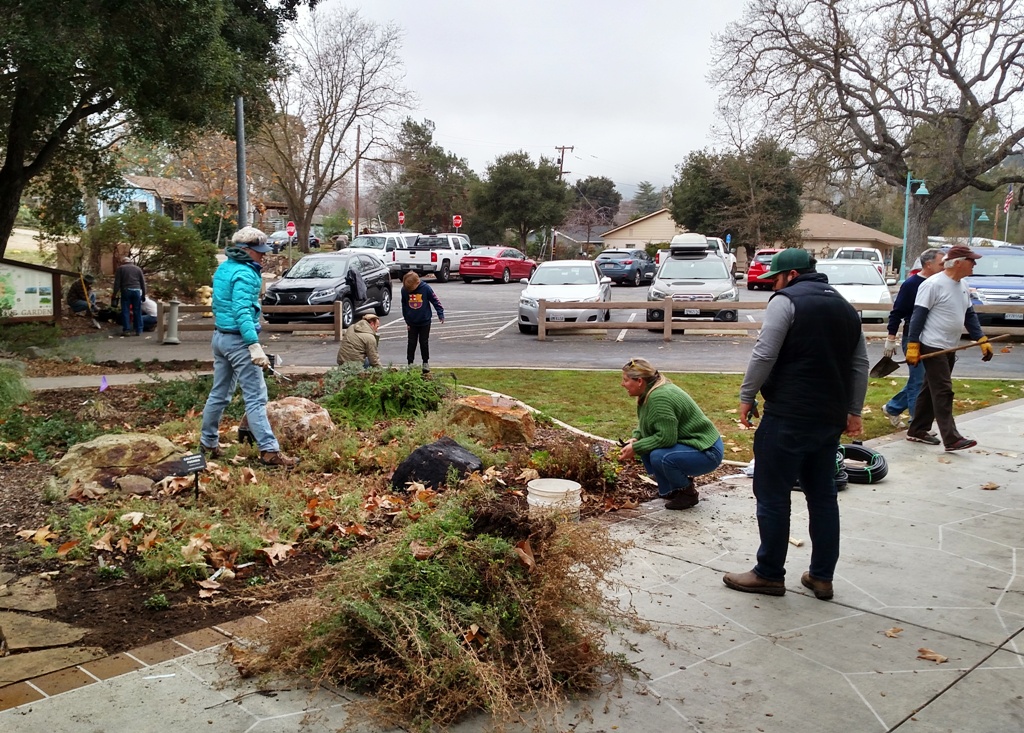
(118, 619)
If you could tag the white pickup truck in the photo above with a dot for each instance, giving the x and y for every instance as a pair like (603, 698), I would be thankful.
(714, 244)
(436, 254)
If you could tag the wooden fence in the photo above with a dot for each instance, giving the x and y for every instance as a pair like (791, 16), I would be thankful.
(206, 324)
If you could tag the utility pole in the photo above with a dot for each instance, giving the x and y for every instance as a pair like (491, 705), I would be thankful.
(355, 225)
(243, 204)
(561, 172)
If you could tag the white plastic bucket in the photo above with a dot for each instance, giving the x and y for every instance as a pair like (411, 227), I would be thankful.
(555, 494)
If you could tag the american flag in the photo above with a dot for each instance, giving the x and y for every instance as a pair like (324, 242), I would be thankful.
(1009, 200)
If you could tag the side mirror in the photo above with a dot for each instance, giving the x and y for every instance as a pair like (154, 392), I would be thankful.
(605, 280)
(890, 281)
(524, 281)
(739, 276)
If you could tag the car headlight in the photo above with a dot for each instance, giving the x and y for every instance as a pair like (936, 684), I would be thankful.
(528, 302)
(593, 299)
(885, 298)
(655, 294)
(326, 293)
(727, 295)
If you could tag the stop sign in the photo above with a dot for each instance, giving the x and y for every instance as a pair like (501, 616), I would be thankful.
(289, 229)
(401, 217)
(457, 221)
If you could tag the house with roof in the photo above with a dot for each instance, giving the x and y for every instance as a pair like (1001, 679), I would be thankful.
(823, 234)
(655, 228)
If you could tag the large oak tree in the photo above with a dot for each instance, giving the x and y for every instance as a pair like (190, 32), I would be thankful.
(163, 69)
(928, 87)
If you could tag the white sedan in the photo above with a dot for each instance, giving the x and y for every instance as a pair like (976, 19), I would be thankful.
(562, 281)
(859, 281)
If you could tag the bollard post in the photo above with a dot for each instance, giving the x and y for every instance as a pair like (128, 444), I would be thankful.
(171, 333)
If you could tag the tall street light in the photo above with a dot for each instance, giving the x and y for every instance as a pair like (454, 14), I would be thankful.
(981, 217)
(922, 190)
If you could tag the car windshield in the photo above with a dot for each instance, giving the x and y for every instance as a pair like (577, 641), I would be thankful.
(364, 242)
(429, 242)
(710, 268)
(859, 254)
(564, 275)
(615, 256)
(993, 265)
(765, 259)
(851, 274)
(486, 252)
(320, 268)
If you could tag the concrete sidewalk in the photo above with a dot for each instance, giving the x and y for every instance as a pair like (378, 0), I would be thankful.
(929, 556)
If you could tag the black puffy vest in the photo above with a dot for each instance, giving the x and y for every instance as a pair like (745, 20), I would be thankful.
(811, 378)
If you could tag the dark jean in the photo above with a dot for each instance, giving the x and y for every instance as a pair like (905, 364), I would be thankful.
(673, 467)
(906, 397)
(418, 333)
(131, 310)
(786, 450)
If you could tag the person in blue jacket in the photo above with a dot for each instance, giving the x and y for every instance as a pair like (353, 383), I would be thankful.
(238, 357)
(417, 297)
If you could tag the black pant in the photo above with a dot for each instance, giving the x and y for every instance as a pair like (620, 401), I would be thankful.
(418, 333)
(935, 401)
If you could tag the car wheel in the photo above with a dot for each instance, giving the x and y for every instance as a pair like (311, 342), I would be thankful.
(348, 312)
(505, 278)
(637, 277)
(526, 328)
(385, 303)
(444, 274)
(467, 280)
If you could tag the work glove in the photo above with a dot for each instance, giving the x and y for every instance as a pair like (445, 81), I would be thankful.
(986, 348)
(890, 347)
(257, 356)
(914, 353)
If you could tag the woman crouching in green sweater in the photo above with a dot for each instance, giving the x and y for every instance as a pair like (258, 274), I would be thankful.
(673, 438)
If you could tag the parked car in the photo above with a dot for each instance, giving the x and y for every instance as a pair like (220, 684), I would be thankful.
(385, 244)
(692, 275)
(560, 281)
(870, 254)
(280, 239)
(501, 264)
(323, 279)
(859, 281)
(626, 266)
(758, 266)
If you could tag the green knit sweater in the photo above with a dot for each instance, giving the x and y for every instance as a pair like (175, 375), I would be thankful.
(668, 416)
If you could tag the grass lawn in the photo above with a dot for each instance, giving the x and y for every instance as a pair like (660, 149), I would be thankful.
(594, 401)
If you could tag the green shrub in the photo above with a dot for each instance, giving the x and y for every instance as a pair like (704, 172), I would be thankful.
(178, 396)
(157, 602)
(385, 394)
(44, 437)
(17, 337)
(12, 389)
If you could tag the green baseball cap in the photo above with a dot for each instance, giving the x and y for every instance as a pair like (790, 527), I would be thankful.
(793, 258)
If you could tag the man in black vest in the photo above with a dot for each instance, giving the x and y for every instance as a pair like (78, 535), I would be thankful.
(811, 365)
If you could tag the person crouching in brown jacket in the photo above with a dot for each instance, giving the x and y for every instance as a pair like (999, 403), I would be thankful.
(360, 342)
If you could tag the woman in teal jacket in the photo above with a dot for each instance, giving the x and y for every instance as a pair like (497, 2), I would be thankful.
(674, 439)
(238, 357)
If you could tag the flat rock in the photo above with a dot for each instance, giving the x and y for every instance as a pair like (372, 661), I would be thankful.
(27, 594)
(23, 632)
(5, 578)
(18, 667)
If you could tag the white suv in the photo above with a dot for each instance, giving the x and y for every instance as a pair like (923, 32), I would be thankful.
(868, 254)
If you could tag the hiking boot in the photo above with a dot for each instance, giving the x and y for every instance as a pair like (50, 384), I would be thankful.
(211, 452)
(926, 438)
(426, 368)
(277, 458)
(962, 444)
(751, 582)
(682, 499)
(894, 418)
(822, 588)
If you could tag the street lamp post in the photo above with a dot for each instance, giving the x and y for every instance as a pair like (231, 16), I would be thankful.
(981, 217)
(922, 190)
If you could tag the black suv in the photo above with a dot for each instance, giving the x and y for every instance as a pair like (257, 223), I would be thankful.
(323, 279)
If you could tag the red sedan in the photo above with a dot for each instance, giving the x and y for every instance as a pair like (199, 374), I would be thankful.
(501, 264)
(758, 266)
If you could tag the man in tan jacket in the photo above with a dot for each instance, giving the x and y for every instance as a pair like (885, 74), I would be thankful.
(360, 342)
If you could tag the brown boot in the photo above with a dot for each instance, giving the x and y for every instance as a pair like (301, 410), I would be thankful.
(277, 458)
(822, 588)
(211, 452)
(751, 582)
(682, 499)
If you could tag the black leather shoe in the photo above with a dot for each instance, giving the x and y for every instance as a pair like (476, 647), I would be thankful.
(682, 499)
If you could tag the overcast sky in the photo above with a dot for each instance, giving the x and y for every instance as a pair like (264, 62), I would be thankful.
(622, 82)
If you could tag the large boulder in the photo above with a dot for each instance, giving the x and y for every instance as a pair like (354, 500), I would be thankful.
(107, 458)
(500, 420)
(431, 464)
(296, 421)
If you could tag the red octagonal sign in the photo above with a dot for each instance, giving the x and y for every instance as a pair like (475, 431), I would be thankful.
(289, 229)
(457, 221)
(401, 217)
